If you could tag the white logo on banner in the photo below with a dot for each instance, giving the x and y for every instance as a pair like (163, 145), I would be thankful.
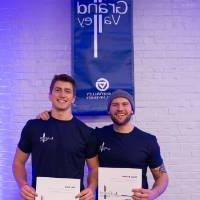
(102, 84)
(106, 13)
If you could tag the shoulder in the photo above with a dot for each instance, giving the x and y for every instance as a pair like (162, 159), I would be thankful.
(145, 136)
(150, 142)
(104, 129)
(34, 124)
(104, 132)
(81, 125)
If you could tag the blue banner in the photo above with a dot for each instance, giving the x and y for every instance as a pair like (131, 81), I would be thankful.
(102, 52)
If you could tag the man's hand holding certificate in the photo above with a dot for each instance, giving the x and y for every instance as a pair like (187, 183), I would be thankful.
(117, 183)
(57, 188)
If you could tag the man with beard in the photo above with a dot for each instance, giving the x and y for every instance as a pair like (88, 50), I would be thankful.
(123, 145)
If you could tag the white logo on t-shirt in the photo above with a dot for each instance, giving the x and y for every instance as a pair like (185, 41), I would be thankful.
(104, 148)
(44, 138)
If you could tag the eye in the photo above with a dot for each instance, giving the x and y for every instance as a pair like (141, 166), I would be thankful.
(114, 104)
(68, 91)
(57, 89)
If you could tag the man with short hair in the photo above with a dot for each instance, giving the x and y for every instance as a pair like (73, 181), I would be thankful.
(123, 145)
(59, 146)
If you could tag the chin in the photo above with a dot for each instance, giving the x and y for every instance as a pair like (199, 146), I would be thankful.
(60, 109)
(121, 122)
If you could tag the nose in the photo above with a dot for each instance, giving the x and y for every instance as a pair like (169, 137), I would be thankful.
(120, 107)
(62, 93)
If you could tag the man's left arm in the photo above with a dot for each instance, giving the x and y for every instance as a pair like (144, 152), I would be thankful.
(161, 180)
(89, 192)
(159, 186)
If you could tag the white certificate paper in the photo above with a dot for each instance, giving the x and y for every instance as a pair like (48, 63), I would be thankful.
(57, 188)
(117, 183)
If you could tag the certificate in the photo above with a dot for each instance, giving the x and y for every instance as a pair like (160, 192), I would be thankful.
(57, 188)
(117, 183)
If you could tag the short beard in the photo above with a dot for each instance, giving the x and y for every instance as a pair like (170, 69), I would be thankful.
(126, 120)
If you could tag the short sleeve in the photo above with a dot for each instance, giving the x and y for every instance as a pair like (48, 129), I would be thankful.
(92, 147)
(25, 143)
(155, 159)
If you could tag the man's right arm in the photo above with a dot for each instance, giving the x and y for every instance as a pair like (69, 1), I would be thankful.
(19, 171)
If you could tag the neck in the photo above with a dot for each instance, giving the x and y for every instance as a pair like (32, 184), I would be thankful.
(61, 115)
(124, 129)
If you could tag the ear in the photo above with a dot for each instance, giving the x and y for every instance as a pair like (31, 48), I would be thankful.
(49, 97)
(74, 99)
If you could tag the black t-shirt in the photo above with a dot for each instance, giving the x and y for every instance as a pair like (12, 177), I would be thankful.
(58, 148)
(136, 149)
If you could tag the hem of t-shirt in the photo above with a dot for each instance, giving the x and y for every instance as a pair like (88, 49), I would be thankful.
(22, 149)
(92, 156)
(156, 165)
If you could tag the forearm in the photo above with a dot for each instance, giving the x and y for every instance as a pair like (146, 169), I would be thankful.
(20, 174)
(160, 185)
(93, 179)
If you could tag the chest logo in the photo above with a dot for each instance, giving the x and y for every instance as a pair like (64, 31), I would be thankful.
(44, 139)
(104, 148)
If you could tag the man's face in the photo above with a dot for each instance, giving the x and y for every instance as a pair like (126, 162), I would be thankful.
(62, 96)
(120, 111)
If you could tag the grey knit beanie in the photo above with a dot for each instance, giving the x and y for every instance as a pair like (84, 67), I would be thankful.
(121, 93)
